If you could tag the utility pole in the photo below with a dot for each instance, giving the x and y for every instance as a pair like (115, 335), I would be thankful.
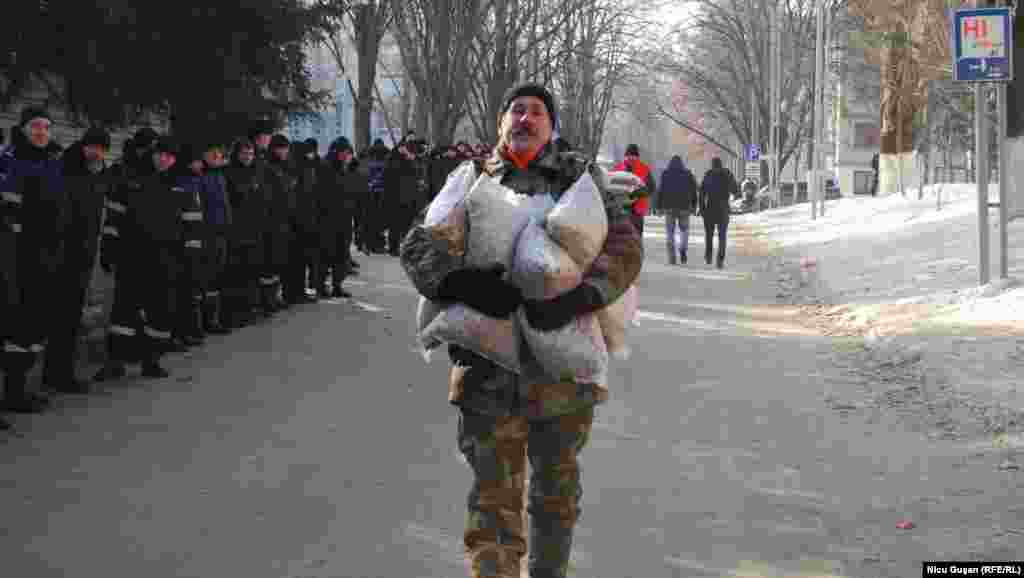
(813, 182)
(775, 77)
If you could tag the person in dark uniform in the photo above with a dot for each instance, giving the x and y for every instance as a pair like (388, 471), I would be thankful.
(245, 254)
(373, 221)
(716, 189)
(403, 194)
(34, 211)
(116, 256)
(88, 186)
(217, 220)
(260, 134)
(340, 188)
(190, 177)
(441, 166)
(281, 201)
(148, 245)
(305, 247)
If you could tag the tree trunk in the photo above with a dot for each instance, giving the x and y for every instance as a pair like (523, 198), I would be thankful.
(367, 45)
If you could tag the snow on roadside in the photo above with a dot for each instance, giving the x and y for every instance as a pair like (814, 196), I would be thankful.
(865, 215)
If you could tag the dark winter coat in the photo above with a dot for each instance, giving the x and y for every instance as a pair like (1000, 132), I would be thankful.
(34, 212)
(216, 208)
(245, 197)
(88, 193)
(440, 168)
(716, 189)
(678, 190)
(307, 210)
(402, 187)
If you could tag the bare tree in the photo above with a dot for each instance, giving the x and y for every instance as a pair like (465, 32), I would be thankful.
(362, 24)
(722, 58)
(435, 38)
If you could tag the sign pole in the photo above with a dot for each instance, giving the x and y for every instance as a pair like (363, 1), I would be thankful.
(1004, 152)
(982, 170)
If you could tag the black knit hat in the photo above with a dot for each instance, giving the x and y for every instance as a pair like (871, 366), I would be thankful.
(279, 140)
(312, 143)
(633, 150)
(30, 112)
(532, 89)
(190, 152)
(341, 144)
(96, 136)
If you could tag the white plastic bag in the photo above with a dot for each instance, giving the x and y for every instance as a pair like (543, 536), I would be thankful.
(574, 353)
(455, 189)
(541, 268)
(495, 339)
(616, 319)
(426, 312)
(496, 215)
(579, 222)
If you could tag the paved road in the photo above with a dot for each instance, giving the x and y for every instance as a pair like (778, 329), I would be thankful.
(319, 445)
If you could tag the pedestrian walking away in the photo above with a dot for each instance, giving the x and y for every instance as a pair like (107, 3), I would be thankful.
(507, 419)
(717, 187)
(677, 199)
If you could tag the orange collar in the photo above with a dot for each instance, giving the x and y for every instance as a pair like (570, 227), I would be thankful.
(521, 160)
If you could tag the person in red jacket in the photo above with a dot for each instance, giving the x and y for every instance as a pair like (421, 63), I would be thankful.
(640, 198)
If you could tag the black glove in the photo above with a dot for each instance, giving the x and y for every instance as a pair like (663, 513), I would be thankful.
(483, 290)
(558, 312)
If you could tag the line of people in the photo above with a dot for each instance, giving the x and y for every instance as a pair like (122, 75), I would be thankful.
(198, 241)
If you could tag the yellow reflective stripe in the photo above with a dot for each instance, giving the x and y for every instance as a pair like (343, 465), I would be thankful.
(112, 231)
(192, 216)
(16, 227)
(11, 197)
(116, 207)
(156, 333)
(194, 244)
(122, 330)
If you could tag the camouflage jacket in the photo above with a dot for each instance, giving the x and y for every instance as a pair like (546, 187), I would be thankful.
(476, 383)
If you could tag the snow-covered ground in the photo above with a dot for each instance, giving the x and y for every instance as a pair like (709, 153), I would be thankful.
(906, 252)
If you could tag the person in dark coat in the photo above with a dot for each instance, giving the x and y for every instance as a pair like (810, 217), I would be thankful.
(217, 220)
(116, 256)
(677, 198)
(341, 187)
(403, 195)
(260, 134)
(718, 186)
(34, 213)
(371, 214)
(281, 205)
(441, 166)
(147, 248)
(190, 177)
(245, 255)
(88, 185)
(304, 253)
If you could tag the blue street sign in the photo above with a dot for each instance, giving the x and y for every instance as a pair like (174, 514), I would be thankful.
(753, 152)
(983, 45)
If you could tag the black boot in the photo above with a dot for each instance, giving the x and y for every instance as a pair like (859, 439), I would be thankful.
(212, 313)
(16, 399)
(111, 370)
(151, 368)
(340, 293)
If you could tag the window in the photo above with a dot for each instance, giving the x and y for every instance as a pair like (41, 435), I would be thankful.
(866, 135)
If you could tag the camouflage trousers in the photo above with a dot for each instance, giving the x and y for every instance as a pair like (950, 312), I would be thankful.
(497, 449)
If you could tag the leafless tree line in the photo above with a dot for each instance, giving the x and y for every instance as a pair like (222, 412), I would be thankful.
(459, 57)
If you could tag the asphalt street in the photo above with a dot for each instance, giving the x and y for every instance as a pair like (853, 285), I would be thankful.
(318, 444)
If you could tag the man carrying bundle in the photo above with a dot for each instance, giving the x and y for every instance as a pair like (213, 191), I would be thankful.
(505, 416)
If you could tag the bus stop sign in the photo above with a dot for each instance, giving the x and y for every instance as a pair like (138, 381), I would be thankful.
(983, 45)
